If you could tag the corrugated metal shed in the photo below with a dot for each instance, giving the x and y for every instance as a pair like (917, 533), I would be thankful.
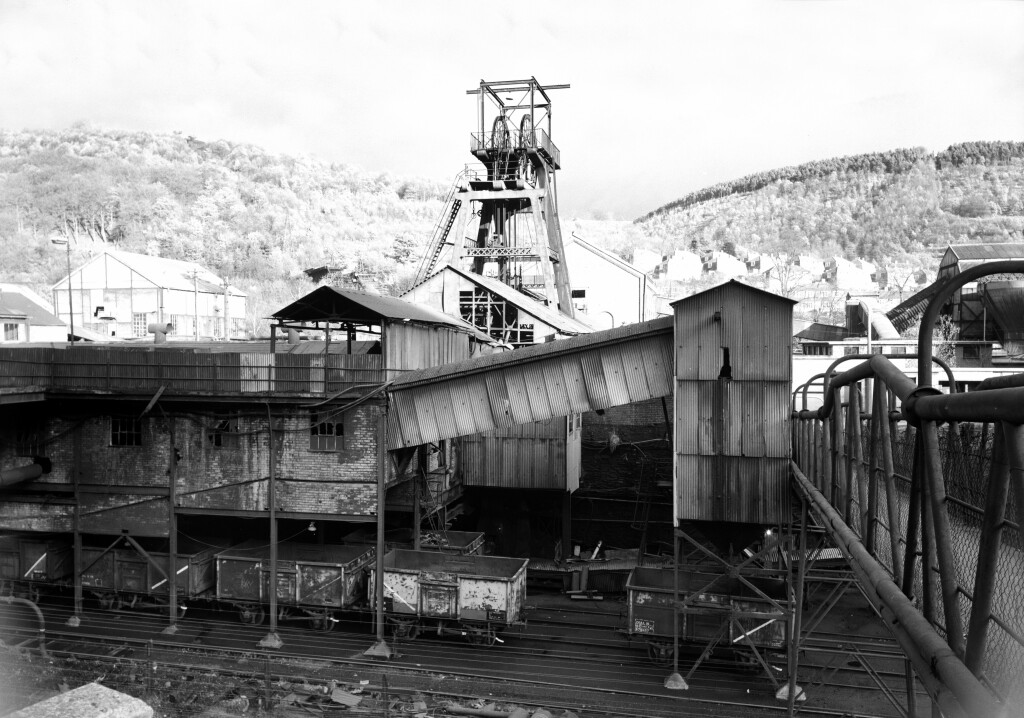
(733, 374)
(345, 305)
(584, 373)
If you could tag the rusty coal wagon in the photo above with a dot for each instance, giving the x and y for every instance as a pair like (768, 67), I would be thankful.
(30, 563)
(716, 611)
(313, 581)
(476, 597)
(124, 575)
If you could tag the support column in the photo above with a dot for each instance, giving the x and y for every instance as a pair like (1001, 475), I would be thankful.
(380, 649)
(172, 529)
(75, 619)
(272, 639)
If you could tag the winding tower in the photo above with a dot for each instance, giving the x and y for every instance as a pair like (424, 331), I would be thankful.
(501, 220)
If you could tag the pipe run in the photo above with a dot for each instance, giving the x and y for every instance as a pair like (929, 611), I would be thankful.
(39, 615)
(953, 688)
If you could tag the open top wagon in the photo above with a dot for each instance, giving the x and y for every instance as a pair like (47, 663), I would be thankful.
(467, 595)
(312, 580)
(715, 610)
(31, 562)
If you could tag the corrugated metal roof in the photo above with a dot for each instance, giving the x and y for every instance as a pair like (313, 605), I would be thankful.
(1003, 250)
(654, 327)
(738, 283)
(551, 317)
(823, 333)
(338, 305)
(596, 371)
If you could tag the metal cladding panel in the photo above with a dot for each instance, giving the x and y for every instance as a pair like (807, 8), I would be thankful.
(497, 397)
(732, 488)
(530, 456)
(542, 386)
(556, 389)
(537, 390)
(594, 380)
(756, 326)
(575, 385)
(462, 406)
(444, 411)
(634, 372)
(615, 376)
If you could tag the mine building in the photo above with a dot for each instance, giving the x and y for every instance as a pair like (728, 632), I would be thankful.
(118, 294)
(139, 445)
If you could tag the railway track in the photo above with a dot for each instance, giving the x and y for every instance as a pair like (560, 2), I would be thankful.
(596, 666)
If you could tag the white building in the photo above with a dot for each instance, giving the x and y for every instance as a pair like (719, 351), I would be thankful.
(26, 317)
(680, 266)
(607, 291)
(118, 294)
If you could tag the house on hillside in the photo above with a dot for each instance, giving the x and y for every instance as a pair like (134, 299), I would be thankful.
(119, 294)
(26, 318)
(680, 266)
(607, 291)
(645, 260)
(506, 314)
(725, 264)
(847, 275)
(342, 276)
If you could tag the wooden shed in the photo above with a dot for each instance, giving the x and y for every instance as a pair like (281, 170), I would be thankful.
(733, 379)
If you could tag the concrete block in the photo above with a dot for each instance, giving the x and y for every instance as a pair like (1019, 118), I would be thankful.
(89, 701)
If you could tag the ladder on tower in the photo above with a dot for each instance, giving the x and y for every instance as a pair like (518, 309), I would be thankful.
(439, 236)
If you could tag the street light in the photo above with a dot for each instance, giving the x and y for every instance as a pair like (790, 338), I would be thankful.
(71, 306)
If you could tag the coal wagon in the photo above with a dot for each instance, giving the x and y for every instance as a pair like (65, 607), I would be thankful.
(476, 597)
(313, 581)
(716, 611)
(130, 576)
(30, 563)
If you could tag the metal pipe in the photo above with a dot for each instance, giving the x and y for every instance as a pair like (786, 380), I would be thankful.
(931, 312)
(953, 688)
(39, 615)
(20, 475)
(1003, 462)
(943, 538)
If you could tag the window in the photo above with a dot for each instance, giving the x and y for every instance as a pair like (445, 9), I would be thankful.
(224, 434)
(140, 324)
(817, 349)
(10, 332)
(326, 434)
(851, 350)
(972, 352)
(125, 431)
(579, 294)
(898, 350)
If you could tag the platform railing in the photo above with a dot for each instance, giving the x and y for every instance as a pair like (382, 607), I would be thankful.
(118, 370)
(924, 492)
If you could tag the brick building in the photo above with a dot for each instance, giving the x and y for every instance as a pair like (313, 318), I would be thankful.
(152, 441)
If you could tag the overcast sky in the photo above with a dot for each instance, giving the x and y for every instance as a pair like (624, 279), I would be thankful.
(667, 97)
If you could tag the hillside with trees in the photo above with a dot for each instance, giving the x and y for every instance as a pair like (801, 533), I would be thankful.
(258, 219)
(902, 205)
(255, 218)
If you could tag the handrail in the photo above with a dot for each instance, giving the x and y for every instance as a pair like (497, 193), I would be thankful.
(953, 687)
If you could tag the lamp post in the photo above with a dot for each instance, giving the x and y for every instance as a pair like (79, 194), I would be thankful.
(71, 306)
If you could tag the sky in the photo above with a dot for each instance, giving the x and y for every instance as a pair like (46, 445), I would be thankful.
(665, 97)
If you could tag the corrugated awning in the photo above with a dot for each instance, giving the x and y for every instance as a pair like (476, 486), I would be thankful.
(585, 373)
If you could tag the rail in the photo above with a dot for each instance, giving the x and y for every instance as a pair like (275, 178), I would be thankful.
(135, 371)
(924, 492)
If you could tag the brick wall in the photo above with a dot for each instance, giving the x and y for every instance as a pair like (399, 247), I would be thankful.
(229, 476)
